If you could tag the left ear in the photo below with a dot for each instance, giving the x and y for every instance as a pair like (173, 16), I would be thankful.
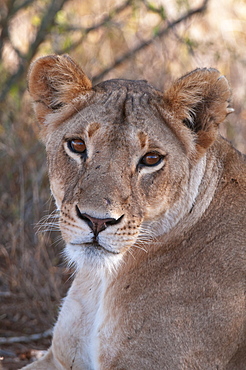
(200, 100)
(54, 81)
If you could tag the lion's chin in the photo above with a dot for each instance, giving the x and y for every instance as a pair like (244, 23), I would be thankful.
(92, 255)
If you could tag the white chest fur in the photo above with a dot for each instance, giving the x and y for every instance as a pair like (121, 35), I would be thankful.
(75, 341)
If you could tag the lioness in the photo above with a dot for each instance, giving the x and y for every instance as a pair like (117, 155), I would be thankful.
(152, 210)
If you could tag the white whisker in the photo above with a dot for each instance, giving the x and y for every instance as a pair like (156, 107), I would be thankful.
(130, 251)
(138, 247)
(48, 223)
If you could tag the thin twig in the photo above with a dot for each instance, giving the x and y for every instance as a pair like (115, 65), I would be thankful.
(28, 338)
(152, 8)
(150, 41)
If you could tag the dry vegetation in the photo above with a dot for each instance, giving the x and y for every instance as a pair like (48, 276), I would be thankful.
(111, 39)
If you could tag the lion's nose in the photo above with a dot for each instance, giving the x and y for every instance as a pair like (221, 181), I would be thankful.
(97, 224)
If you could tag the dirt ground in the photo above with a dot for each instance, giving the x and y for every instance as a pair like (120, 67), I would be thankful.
(16, 356)
(19, 319)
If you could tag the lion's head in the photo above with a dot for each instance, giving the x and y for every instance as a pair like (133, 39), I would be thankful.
(125, 160)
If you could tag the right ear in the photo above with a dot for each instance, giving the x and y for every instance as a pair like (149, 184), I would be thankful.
(53, 82)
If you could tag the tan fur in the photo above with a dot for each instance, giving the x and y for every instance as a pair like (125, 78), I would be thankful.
(163, 285)
(48, 89)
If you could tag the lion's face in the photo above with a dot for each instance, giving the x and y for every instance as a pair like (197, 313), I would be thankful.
(115, 163)
(124, 167)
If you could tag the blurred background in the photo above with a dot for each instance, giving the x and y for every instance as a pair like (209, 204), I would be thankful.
(156, 40)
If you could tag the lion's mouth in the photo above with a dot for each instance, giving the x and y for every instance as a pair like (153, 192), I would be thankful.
(95, 246)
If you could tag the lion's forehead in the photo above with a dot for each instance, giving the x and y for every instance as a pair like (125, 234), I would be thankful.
(130, 86)
(130, 98)
(121, 108)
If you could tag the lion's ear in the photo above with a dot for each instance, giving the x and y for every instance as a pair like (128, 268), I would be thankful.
(200, 100)
(53, 82)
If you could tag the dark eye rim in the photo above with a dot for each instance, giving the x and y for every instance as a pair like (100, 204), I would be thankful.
(70, 147)
(143, 164)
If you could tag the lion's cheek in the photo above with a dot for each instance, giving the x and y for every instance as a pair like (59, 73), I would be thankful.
(57, 189)
(156, 207)
(154, 196)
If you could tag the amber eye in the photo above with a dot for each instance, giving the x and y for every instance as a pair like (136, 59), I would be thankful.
(151, 159)
(77, 146)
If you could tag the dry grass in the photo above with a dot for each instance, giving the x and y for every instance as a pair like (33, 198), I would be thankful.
(30, 262)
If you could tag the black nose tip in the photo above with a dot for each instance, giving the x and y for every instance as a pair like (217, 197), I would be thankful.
(97, 224)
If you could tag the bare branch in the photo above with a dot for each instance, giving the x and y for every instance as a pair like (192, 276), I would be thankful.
(4, 35)
(150, 41)
(102, 23)
(47, 22)
(22, 6)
